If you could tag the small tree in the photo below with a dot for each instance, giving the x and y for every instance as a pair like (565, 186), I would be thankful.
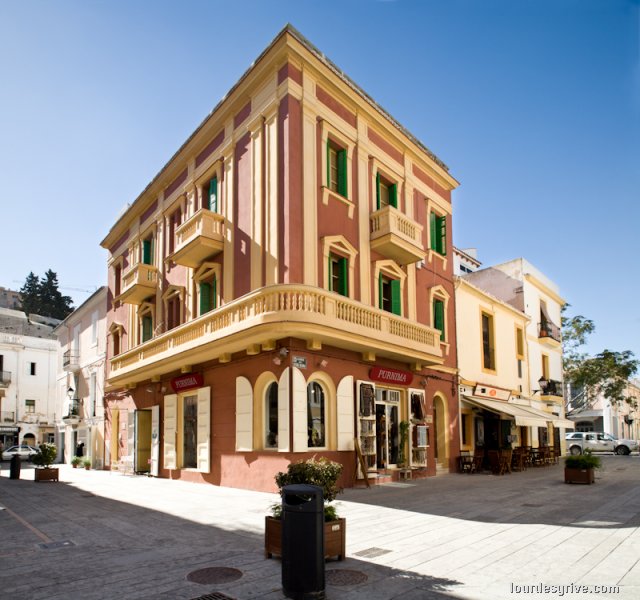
(46, 455)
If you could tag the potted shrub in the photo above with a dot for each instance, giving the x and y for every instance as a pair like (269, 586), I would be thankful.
(581, 468)
(75, 461)
(86, 463)
(43, 460)
(325, 474)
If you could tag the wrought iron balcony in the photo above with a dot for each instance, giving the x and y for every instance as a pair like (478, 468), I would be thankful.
(70, 361)
(553, 388)
(7, 417)
(198, 238)
(73, 416)
(396, 236)
(5, 379)
(548, 330)
(138, 283)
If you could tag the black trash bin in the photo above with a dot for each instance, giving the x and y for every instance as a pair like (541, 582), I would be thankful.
(303, 542)
(14, 469)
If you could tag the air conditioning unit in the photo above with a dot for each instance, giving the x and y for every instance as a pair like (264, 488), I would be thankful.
(387, 395)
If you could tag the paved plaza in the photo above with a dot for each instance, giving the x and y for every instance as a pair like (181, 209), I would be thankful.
(103, 535)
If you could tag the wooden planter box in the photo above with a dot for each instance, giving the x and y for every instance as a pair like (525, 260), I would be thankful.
(334, 538)
(50, 474)
(579, 475)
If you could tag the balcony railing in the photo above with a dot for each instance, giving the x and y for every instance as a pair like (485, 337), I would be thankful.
(70, 361)
(138, 283)
(73, 414)
(5, 378)
(547, 329)
(276, 311)
(7, 417)
(554, 388)
(198, 238)
(396, 236)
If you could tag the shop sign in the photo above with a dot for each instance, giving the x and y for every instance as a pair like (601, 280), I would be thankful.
(187, 382)
(484, 391)
(5, 429)
(395, 376)
(300, 362)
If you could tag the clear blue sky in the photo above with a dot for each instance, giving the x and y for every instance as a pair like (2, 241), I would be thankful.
(533, 104)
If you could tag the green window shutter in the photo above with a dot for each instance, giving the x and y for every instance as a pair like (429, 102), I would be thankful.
(433, 231)
(396, 307)
(213, 194)
(442, 235)
(380, 290)
(205, 297)
(378, 191)
(330, 272)
(438, 317)
(344, 277)
(214, 293)
(328, 165)
(147, 325)
(342, 172)
(393, 195)
(146, 251)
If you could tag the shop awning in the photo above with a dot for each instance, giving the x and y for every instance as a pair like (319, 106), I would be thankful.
(524, 416)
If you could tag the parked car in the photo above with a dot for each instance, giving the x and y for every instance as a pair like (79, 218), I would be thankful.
(24, 452)
(579, 441)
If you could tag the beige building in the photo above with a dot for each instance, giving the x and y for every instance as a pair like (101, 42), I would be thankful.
(80, 381)
(510, 358)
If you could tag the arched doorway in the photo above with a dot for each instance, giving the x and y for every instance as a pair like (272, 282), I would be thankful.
(440, 431)
(29, 439)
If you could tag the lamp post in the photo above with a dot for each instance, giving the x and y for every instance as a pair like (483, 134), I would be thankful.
(544, 384)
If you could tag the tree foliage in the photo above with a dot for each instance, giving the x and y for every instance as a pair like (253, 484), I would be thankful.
(42, 296)
(606, 373)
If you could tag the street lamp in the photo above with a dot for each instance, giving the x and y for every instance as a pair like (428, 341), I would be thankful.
(544, 384)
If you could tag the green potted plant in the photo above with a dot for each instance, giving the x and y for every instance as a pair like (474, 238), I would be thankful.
(581, 468)
(75, 461)
(86, 463)
(325, 474)
(43, 460)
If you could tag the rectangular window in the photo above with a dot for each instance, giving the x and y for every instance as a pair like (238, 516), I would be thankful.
(438, 231)
(174, 222)
(338, 275)
(147, 251)
(92, 395)
(519, 342)
(389, 295)
(116, 343)
(190, 432)
(386, 193)
(212, 196)
(438, 317)
(29, 406)
(94, 328)
(117, 280)
(208, 294)
(173, 312)
(488, 351)
(32, 368)
(337, 169)
(147, 328)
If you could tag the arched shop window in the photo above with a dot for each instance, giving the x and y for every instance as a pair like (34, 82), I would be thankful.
(271, 416)
(316, 415)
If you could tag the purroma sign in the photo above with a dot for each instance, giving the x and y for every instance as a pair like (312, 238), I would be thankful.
(187, 382)
(386, 375)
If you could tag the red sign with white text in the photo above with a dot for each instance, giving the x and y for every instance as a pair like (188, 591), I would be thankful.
(187, 382)
(386, 375)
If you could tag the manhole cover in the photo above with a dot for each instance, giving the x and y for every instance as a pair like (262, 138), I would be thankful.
(54, 545)
(344, 577)
(372, 552)
(214, 596)
(214, 575)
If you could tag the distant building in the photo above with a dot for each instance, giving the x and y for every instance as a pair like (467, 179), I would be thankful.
(10, 299)
(28, 359)
(465, 261)
(80, 380)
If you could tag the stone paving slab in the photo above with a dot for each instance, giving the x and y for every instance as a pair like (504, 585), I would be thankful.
(467, 537)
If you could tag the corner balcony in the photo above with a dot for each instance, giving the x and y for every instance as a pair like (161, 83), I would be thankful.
(274, 312)
(550, 333)
(70, 361)
(138, 283)
(396, 236)
(198, 238)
